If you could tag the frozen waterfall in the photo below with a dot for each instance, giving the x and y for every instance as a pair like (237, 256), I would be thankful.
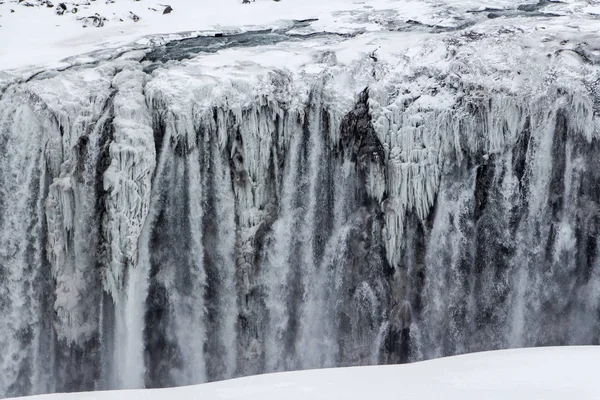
(175, 221)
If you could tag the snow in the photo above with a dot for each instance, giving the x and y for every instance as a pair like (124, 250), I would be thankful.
(35, 36)
(518, 374)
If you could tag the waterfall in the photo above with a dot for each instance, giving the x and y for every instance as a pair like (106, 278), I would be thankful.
(175, 222)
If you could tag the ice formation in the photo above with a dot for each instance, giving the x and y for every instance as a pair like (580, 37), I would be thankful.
(169, 223)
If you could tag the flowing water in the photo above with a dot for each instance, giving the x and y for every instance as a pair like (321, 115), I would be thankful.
(160, 227)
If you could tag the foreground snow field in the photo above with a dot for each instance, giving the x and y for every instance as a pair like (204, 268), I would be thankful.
(536, 373)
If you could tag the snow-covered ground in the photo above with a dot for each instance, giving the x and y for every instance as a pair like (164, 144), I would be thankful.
(38, 35)
(32, 33)
(520, 374)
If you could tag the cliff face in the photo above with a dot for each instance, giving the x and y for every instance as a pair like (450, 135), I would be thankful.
(171, 222)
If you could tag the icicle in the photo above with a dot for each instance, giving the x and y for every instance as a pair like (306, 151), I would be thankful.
(127, 178)
(127, 184)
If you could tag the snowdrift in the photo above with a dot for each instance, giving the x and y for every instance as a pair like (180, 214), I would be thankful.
(535, 373)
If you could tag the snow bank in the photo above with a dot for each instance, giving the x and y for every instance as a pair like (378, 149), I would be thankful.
(42, 33)
(537, 373)
(37, 35)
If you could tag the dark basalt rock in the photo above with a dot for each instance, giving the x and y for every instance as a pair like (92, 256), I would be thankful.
(134, 17)
(358, 139)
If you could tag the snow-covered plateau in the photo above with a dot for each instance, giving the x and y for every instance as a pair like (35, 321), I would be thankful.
(542, 373)
(232, 189)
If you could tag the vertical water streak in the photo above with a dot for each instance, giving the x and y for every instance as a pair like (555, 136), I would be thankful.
(22, 180)
(127, 183)
(276, 265)
(220, 244)
(307, 263)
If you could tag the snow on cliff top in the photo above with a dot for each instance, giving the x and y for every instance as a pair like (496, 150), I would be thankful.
(540, 373)
(33, 34)
(36, 34)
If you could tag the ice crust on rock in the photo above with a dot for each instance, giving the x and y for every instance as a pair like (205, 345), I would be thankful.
(127, 180)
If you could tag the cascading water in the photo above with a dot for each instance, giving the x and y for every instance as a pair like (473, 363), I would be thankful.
(167, 223)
